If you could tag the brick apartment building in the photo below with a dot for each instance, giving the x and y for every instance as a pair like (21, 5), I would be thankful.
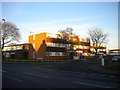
(19, 51)
(48, 46)
(114, 52)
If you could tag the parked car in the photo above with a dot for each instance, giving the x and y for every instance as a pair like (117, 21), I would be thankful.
(116, 58)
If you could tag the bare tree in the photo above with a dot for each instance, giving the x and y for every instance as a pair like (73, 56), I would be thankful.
(9, 33)
(98, 37)
(67, 35)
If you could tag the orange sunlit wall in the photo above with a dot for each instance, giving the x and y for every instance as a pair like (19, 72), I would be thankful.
(38, 43)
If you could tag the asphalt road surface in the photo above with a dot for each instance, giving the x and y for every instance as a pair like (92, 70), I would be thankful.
(38, 75)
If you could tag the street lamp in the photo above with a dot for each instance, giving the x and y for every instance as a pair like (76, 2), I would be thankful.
(0, 32)
(1, 37)
(3, 20)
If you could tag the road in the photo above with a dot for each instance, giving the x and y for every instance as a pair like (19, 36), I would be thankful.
(38, 75)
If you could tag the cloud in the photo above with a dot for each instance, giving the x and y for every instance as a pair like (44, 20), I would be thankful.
(64, 21)
(80, 29)
(58, 21)
(55, 25)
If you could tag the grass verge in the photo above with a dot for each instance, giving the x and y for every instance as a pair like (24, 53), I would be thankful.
(113, 66)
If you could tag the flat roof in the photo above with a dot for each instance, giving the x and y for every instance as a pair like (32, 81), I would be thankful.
(115, 50)
(17, 44)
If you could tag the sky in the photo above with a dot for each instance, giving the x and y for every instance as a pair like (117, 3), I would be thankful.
(37, 17)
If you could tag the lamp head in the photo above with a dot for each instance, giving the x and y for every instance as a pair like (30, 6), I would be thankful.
(3, 20)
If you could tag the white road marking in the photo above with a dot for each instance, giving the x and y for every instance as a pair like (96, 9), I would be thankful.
(44, 69)
(92, 74)
(36, 75)
(51, 69)
(92, 85)
(12, 78)
(77, 72)
(2, 71)
(83, 73)
(111, 76)
(102, 75)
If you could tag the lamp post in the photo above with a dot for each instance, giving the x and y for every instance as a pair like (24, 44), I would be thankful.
(2, 39)
(2, 36)
(1, 50)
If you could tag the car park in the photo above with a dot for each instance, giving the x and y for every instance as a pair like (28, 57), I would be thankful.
(116, 58)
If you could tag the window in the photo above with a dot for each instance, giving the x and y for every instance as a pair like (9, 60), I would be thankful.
(63, 45)
(57, 54)
(88, 40)
(64, 54)
(7, 55)
(52, 53)
(49, 44)
(26, 47)
(48, 54)
(85, 47)
(92, 49)
(55, 44)
(51, 35)
(81, 47)
(33, 37)
(33, 54)
(13, 48)
(19, 47)
(85, 54)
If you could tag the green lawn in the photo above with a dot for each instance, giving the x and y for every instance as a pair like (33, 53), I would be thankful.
(113, 66)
